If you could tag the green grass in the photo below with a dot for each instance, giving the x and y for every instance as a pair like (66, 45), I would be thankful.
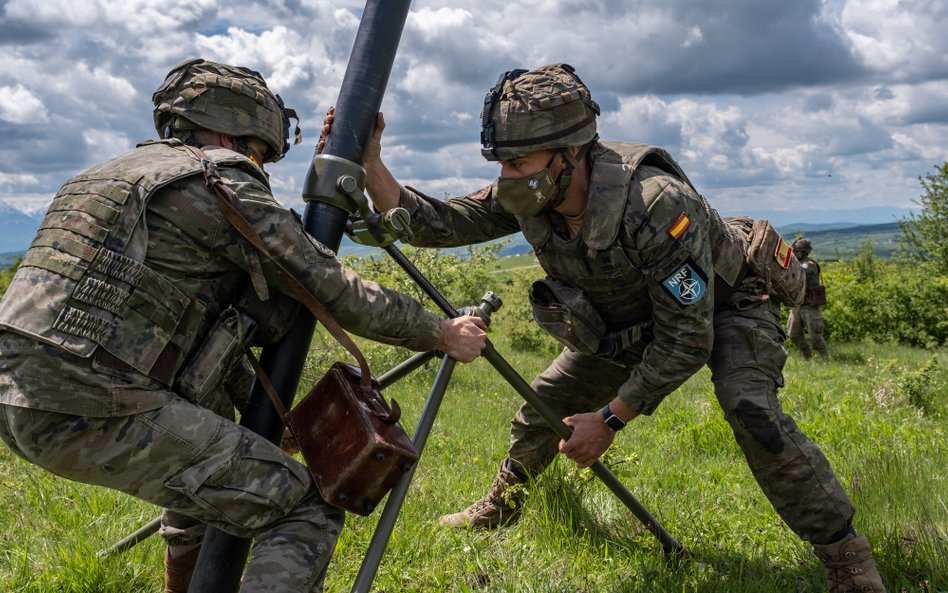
(863, 408)
(513, 262)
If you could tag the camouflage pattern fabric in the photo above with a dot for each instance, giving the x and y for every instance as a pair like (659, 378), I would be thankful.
(197, 464)
(232, 100)
(805, 325)
(746, 364)
(72, 402)
(652, 250)
(626, 260)
(189, 247)
(811, 271)
(549, 107)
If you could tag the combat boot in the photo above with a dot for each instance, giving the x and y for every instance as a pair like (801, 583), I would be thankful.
(501, 506)
(178, 570)
(849, 566)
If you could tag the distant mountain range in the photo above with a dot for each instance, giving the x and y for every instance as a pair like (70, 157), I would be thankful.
(806, 220)
(17, 228)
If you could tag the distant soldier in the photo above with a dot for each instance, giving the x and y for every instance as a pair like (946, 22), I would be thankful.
(805, 325)
(645, 285)
(122, 333)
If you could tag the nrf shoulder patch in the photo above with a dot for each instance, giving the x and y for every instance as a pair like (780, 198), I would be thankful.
(687, 284)
(783, 254)
(680, 226)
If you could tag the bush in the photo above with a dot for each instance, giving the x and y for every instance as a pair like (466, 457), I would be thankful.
(461, 276)
(516, 316)
(886, 301)
(7, 275)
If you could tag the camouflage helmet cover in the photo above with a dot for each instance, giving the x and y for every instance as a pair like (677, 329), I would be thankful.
(227, 99)
(802, 245)
(549, 107)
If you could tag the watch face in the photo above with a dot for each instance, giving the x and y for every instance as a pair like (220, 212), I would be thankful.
(612, 421)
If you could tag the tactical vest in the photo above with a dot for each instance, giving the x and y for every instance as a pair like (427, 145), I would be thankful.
(597, 261)
(84, 286)
(812, 272)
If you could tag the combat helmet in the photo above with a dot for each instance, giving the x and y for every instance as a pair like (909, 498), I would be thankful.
(523, 112)
(802, 245)
(228, 99)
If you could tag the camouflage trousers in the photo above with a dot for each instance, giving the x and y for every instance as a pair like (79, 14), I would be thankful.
(746, 364)
(805, 327)
(202, 468)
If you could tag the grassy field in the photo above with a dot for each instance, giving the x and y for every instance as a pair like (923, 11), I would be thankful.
(864, 408)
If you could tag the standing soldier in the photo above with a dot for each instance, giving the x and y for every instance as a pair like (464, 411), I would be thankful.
(805, 324)
(111, 370)
(645, 284)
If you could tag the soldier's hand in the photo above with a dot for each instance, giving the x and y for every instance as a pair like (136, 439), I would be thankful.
(327, 125)
(373, 150)
(463, 338)
(590, 439)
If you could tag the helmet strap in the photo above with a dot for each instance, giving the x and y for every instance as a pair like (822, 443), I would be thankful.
(566, 175)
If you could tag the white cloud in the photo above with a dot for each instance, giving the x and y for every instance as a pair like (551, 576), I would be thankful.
(17, 179)
(106, 141)
(823, 102)
(899, 39)
(19, 106)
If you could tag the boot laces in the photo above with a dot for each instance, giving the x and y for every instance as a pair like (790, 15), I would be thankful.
(842, 575)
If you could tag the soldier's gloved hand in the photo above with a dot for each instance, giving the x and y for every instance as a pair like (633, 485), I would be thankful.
(590, 439)
(463, 338)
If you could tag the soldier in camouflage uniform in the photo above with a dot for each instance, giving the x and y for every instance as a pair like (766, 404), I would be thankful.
(646, 283)
(111, 366)
(805, 324)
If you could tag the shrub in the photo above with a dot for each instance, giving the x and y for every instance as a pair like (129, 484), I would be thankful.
(461, 276)
(516, 316)
(886, 301)
(7, 275)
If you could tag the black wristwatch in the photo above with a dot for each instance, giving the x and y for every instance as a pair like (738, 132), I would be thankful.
(612, 421)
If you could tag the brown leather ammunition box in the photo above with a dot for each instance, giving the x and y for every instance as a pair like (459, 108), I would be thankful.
(351, 440)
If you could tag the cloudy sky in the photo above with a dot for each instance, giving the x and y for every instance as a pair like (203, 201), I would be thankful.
(768, 104)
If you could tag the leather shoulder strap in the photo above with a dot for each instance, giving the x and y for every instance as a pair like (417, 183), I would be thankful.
(230, 206)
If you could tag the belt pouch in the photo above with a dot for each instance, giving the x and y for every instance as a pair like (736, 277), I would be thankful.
(216, 355)
(566, 314)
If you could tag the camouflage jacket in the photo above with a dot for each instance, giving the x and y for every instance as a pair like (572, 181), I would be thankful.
(649, 252)
(811, 269)
(134, 263)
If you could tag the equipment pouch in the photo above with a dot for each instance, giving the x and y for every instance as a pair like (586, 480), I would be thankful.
(771, 258)
(566, 314)
(214, 358)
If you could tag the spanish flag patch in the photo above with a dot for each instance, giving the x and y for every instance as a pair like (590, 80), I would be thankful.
(783, 254)
(680, 226)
